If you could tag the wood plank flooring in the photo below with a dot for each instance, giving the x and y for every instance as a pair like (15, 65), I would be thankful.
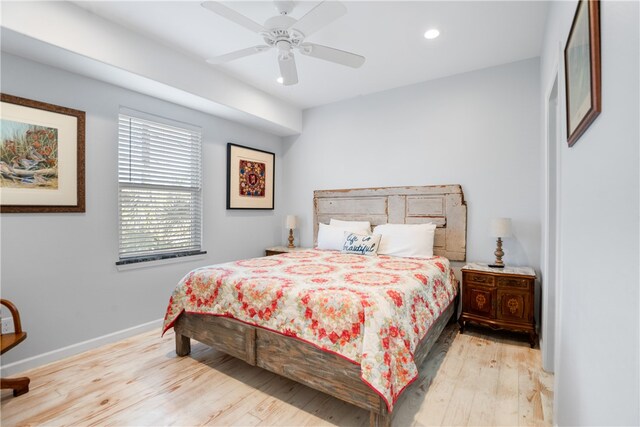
(478, 378)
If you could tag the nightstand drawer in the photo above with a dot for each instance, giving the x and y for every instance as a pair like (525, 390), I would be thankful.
(514, 282)
(481, 279)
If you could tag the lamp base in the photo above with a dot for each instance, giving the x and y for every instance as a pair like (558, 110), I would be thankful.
(499, 253)
(291, 245)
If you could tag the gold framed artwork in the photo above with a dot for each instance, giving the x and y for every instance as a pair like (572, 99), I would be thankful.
(250, 178)
(582, 70)
(41, 157)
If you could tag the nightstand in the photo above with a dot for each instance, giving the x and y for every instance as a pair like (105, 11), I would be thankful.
(501, 298)
(277, 250)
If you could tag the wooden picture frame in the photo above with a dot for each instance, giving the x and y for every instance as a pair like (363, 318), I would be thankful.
(582, 70)
(42, 157)
(250, 178)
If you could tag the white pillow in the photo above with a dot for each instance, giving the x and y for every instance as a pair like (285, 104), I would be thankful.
(349, 224)
(406, 240)
(361, 244)
(331, 237)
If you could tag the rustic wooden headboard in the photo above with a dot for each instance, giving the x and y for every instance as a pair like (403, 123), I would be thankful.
(441, 204)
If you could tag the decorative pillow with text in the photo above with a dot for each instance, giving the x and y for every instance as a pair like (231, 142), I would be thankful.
(362, 244)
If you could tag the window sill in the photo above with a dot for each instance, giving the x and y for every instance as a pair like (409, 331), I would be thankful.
(156, 260)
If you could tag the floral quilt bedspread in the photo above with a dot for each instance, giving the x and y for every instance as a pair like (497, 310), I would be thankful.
(370, 310)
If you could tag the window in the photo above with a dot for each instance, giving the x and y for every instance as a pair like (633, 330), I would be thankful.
(159, 188)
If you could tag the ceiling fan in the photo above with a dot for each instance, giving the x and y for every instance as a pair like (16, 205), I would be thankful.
(286, 33)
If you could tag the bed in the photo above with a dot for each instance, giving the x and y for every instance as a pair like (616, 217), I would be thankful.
(320, 358)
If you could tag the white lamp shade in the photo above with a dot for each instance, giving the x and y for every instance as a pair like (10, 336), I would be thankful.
(501, 227)
(292, 222)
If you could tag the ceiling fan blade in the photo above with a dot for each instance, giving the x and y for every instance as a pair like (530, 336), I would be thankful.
(288, 69)
(321, 15)
(238, 54)
(330, 54)
(232, 15)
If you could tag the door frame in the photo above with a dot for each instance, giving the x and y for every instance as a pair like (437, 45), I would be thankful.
(552, 147)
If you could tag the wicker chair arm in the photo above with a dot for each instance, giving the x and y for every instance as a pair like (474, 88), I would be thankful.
(17, 326)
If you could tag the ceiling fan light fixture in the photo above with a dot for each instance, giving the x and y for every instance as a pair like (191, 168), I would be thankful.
(431, 34)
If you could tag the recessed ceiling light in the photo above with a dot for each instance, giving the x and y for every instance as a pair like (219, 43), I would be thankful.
(280, 80)
(431, 34)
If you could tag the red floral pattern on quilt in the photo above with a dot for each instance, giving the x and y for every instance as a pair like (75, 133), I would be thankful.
(371, 310)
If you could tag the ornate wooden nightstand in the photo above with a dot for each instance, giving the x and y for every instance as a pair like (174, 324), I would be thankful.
(277, 250)
(501, 298)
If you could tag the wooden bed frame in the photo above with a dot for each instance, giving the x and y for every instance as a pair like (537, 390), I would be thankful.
(307, 364)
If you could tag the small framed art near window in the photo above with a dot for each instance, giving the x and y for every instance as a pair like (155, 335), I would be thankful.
(250, 178)
(582, 69)
(41, 157)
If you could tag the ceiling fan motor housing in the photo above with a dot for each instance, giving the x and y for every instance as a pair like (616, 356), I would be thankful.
(279, 29)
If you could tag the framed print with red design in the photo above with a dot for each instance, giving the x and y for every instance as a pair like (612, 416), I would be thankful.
(250, 178)
(41, 157)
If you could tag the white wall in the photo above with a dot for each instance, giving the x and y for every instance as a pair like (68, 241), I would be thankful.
(60, 269)
(598, 360)
(479, 129)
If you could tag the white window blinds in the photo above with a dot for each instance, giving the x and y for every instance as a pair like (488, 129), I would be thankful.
(159, 187)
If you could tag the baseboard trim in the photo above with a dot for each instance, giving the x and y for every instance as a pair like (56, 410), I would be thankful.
(73, 349)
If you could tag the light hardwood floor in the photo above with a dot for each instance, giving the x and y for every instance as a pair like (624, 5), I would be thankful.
(477, 378)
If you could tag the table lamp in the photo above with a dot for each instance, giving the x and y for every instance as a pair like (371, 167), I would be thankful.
(291, 225)
(500, 227)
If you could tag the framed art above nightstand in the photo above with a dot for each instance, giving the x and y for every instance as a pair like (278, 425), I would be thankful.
(277, 250)
(501, 298)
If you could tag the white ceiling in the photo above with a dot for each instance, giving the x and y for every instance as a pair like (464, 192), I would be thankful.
(474, 35)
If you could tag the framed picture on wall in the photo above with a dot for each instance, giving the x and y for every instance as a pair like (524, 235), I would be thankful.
(250, 178)
(41, 157)
(582, 69)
